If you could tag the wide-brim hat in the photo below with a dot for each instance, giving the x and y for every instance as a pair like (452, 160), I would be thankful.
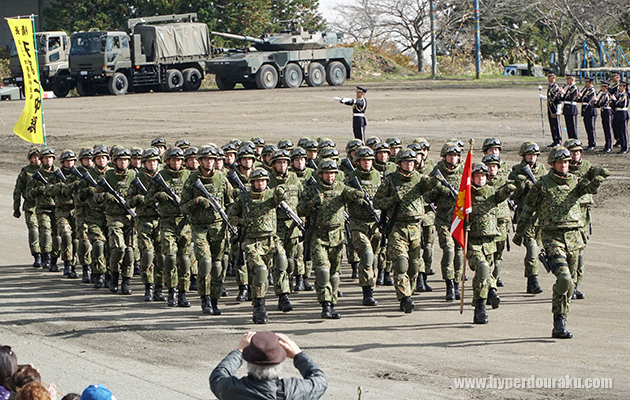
(264, 349)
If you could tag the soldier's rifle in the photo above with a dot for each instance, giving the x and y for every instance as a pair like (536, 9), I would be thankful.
(59, 174)
(40, 178)
(546, 261)
(349, 244)
(215, 205)
(119, 199)
(354, 183)
(389, 225)
(139, 185)
(347, 164)
(311, 164)
(236, 182)
(159, 179)
(310, 223)
(438, 175)
(298, 221)
(528, 172)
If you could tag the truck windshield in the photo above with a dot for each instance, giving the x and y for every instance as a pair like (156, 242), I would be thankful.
(89, 43)
(13, 51)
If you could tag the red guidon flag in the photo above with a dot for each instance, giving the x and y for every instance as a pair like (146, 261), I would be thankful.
(464, 202)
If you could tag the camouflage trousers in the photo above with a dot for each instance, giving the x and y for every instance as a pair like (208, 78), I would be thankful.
(96, 229)
(531, 241)
(291, 244)
(49, 241)
(326, 263)
(563, 247)
(366, 243)
(209, 243)
(65, 223)
(175, 242)
(148, 244)
(404, 248)
(504, 226)
(120, 235)
(260, 253)
(81, 234)
(428, 240)
(480, 256)
(452, 254)
(33, 231)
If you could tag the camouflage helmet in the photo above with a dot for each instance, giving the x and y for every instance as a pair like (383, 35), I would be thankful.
(236, 142)
(328, 166)
(246, 152)
(489, 159)
(311, 145)
(364, 153)
(329, 152)
(559, 153)
(100, 150)
(424, 144)
(458, 142)
(206, 152)
(382, 147)
(33, 151)
(490, 143)
(285, 145)
(269, 150)
(190, 152)
(372, 140)
(327, 143)
(136, 152)
(220, 154)
(158, 141)
(67, 154)
(353, 145)
(175, 152)
(113, 150)
(573, 145)
(182, 144)
(297, 153)
(249, 144)
(258, 141)
(480, 169)
(122, 153)
(151, 153)
(303, 141)
(86, 152)
(280, 154)
(393, 142)
(259, 173)
(229, 148)
(450, 148)
(47, 152)
(529, 148)
(417, 147)
(406, 155)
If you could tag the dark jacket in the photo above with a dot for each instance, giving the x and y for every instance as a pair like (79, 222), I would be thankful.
(226, 386)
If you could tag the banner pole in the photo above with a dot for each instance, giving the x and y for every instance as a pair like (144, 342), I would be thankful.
(39, 81)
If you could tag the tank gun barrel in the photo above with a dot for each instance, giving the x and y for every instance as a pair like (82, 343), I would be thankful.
(238, 37)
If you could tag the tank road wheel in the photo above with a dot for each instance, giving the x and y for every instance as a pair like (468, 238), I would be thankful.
(335, 73)
(192, 79)
(174, 81)
(224, 83)
(292, 76)
(249, 85)
(316, 74)
(267, 77)
(85, 89)
(118, 84)
(61, 87)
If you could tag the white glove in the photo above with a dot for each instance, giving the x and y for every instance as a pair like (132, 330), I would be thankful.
(542, 96)
(337, 98)
(345, 100)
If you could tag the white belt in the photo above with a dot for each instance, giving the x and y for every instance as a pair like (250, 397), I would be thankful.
(622, 109)
(359, 114)
(573, 103)
(607, 108)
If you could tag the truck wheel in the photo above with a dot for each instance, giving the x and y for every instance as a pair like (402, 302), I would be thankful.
(316, 74)
(335, 73)
(267, 77)
(292, 76)
(85, 89)
(192, 79)
(224, 83)
(61, 87)
(118, 84)
(174, 80)
(249, 85)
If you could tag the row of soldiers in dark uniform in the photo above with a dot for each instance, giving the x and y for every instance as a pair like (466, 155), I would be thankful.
(612, 100)
(276, 216)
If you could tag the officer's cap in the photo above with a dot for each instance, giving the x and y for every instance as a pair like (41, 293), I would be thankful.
(590, 79)
(569, 75)
(604, 83)
(361, 89)
(623, 83)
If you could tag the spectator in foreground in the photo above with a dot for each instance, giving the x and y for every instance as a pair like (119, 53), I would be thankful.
(33, 391)
(97, 392)
(264, 353)
(8, 366)
(24, 375)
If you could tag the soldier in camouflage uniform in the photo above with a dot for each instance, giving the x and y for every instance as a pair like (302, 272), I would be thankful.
(444, 201)
(483, 229)
(175, 234)
(191, 163)
(366, 236)
(146, 225)
(382, 155)
(255, 212)
(529, 237)
(28, 206)
(324, 204)
(348, 166)
(37, 192)
(230, 155)
(260, 144)
(81, 209)
(135, 164)
(555, 201)
(265, 157)
(160, 144)
(401, 194)
(208, 229)
(312, 151)
(395, 145)
(583, 169)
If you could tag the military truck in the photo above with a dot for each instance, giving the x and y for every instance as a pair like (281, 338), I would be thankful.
(166, 53)
(287, 58)
(53, 49)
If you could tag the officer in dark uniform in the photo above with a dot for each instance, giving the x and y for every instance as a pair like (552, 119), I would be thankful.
(570, 110)
(359, 106)
(620, 121)
(554, 96)
(613, 89)
(603, 101)
(589, 112)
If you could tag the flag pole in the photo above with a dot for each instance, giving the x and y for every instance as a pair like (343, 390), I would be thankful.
(463, 285)
(39, 80)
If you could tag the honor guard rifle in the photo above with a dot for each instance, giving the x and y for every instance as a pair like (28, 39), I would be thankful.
(236, 182)
(310, 223)
(438, 175)
(215, 205)
(159, 179)
(119, 199)
(59, 174)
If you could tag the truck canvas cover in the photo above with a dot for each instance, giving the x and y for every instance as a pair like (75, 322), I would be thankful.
(174, 42)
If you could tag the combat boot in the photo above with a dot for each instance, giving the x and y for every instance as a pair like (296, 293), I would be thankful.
(113, 282)
(206, 307)
(500, 282)
(37, 260)
(299, 284)
(493, 298)
(243, 293)
(87, 274)
(157, 294)
(125, 288)
(53, 264)
(99, 281)
(284, 304)
(387, 279)
(328, 312)
(270, 278)
(172, 297)
(73, 272)
(66, 267)
(532, 285)
(136, 268)
(230, 270)
(450, 294)
(426, 285)
(46, 260)
(108, 278)
(215, 307)
(224, 293)
(148, 292)
(380, 277)
(355, 270)
(193, 282)
(430, 271)
(458, 295)
(559, 328)
(407, 305)
(368, 296)
(420, 284)
(182, 301)
(307, 286)
(260, 314)
(481, 316)
(577, 294)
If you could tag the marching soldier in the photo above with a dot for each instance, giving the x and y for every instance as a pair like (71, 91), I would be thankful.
(191, 163)
(569, 110)
(28, 206)
(190, 159)
(229, 150)
(620, 121)
(395, 145)
(382, 164)
(351, 147)
(260, 144)
(424, 166)
(359, 107)
(136, 158)
(160, 144)
(81, 210)
(589, 113)
(555, 199)
(604, 103)
(265, 157)
(312, 151)
(554, 102)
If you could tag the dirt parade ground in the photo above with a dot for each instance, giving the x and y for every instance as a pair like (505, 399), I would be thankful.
(77, 336)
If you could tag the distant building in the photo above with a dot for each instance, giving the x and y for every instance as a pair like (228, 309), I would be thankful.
(12, 8)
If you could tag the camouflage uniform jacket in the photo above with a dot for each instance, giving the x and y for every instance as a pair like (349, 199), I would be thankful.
(585, 170)
(503, 209)
(20, 188)
(405, 191)
(37, 192)
(521, 191)
(255, 212)
(137, 200)
(482, 221)
(202, 213)
(120, 182)
(370, 182)
(302, 175)
(62, 191)
(443, 198)
(384, 169)
(175, 180)
(429, 215)
(292, 185)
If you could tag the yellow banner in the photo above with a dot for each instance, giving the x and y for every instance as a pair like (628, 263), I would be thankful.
(30, 126)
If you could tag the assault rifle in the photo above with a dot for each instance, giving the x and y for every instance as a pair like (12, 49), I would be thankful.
(86, 177)
(310, 223)
(139, 185)
(159, 179)
(347, 164)
(39, 177)
(298, 221)
(528, 172)
(354, 183)
(438, 175)
(389, 225)
(119, 199)
(59, 174)
(236, 182)
(311, 164)
(215, 205)
(547, 262)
